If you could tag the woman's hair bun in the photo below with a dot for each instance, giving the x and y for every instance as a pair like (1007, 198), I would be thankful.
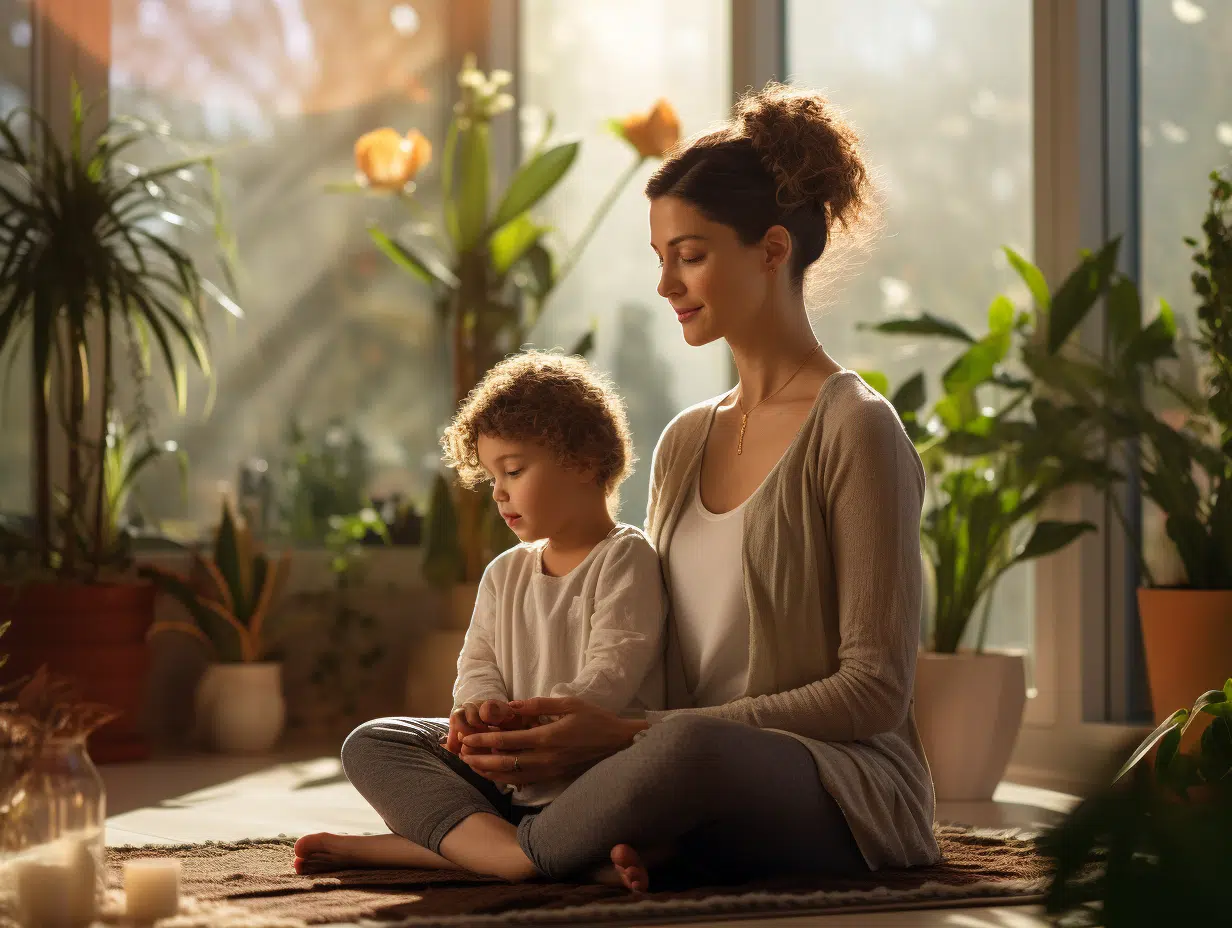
(810, 150)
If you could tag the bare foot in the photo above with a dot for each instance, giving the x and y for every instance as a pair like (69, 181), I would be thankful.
(322, 852)
(630, 868)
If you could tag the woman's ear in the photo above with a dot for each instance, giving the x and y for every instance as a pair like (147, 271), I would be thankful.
(776, 246)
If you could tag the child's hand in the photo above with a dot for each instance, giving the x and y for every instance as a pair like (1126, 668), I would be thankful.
(497, 714)
(463, 721)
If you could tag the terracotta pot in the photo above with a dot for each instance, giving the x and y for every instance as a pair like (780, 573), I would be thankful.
(968, 708)
(1187, 635)
(240, 707)
(94, 634)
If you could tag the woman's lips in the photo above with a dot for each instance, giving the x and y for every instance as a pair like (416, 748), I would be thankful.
(684, 315)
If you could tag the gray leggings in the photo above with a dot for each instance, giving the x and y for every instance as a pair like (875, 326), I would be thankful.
(734, 801)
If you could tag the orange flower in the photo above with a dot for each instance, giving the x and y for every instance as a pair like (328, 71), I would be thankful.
(653, 134)
(389, 160)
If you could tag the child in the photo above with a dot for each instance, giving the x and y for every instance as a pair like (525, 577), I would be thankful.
(576, 609)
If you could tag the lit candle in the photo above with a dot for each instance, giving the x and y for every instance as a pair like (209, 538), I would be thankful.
(41, 896)
(152, 888)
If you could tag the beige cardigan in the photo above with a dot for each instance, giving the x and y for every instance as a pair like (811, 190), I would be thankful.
(833, 583)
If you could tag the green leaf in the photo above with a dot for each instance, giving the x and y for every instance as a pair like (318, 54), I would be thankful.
(910, 395)
(1079, 292)
(442, 562)
(1174, 721)
(1001, 315)
(425, 267)
(877, 380)
(1124, 312)
(924, 324)
(585, 345)
(1050, 536)
(511, 241)
(541, 271)
(1156, 341)
(978, 363)
(1031, 276)
(534, 180)
(471, 196)
(227, 556)
(225, 637)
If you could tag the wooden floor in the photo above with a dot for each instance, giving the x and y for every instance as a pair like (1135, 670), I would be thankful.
(182, 800)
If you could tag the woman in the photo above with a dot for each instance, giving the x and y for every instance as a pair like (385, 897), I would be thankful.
(786, 516)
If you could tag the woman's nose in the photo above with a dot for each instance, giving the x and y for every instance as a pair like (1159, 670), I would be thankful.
(669, 283)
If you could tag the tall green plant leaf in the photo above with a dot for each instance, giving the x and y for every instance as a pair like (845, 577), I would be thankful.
(924, 324)
(425, 267)
(1031, 276)
(443, 564)
(910, 396)
(510, 243)
(473, 178)
(1079, 292)
(1050, 536)
(227, 556)
(535, 180)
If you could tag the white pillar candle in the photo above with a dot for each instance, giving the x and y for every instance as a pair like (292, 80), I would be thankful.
(152, 888)
(42, 894)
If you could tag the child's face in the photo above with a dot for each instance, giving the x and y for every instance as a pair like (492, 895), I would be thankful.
(534, 492)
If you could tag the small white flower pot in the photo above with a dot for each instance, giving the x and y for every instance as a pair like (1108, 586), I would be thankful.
(240, 708)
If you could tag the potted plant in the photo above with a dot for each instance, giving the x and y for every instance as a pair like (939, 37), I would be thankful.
(90, 279)
(231, 600)
(1183, 443)
(996, 451)
(1152, 850)
(491, 270)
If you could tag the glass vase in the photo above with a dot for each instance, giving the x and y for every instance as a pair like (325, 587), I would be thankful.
(52, 811)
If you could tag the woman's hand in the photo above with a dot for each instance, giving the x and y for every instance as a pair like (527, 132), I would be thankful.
(582, 735)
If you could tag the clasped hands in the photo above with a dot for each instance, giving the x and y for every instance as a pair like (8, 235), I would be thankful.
(489, 715)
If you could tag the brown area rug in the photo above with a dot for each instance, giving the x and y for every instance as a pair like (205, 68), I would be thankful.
(253, 879)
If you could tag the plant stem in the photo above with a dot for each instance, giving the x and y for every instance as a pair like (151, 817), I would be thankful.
(605, 207)
(100, 481)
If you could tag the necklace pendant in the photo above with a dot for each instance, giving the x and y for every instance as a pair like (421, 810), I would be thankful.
(744, 420)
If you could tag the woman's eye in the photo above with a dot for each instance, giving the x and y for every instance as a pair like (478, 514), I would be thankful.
(695, 260)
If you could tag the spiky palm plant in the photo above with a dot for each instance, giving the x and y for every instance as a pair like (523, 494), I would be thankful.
(91, 266)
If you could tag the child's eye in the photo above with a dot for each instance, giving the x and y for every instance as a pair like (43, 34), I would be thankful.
(513, 473)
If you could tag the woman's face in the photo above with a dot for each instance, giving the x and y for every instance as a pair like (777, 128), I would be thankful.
(715, 284)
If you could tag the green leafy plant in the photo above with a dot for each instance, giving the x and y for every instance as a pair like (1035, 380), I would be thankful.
(352, 644)
(1151, 849)
(995, 447)
(87, 271)
(231, 596)
(1209, 764)
(324, 477)
(491, 268)
(1183, 441)
(123, 462)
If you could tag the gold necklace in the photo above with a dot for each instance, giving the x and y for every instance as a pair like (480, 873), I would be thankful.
(744, 416)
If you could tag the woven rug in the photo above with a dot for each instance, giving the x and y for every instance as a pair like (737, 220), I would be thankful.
(251, 884)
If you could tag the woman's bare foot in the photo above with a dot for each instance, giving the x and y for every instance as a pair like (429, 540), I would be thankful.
(322, 852)
(630, 868)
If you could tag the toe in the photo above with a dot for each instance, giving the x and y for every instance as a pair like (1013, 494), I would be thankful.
(311, 844)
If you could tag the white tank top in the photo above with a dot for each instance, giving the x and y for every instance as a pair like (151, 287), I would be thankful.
(706, 566)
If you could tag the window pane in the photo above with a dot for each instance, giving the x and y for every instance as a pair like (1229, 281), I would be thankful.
(332, 331)
(588, 62)
(16, 35)
(940, 92)
(1185, 133)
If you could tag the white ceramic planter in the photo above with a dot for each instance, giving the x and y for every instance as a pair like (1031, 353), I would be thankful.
(240, 707)
(968, 708)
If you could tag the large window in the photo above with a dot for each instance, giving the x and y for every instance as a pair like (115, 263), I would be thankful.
(16, 38)
(336, 342)
(1185, 133)
(587, 62)
(940, 93)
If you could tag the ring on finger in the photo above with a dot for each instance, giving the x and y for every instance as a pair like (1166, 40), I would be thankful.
(517, 763)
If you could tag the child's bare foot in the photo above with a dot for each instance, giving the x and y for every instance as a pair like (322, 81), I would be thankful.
(630, 868)
(322, 852)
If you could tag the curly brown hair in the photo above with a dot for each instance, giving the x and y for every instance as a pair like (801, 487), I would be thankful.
(785, 158)
(559, 401)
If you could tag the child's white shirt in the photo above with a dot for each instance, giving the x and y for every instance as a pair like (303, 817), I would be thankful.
(596, 632)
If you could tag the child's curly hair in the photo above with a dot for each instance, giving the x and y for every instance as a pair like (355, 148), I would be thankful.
(560, 402)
